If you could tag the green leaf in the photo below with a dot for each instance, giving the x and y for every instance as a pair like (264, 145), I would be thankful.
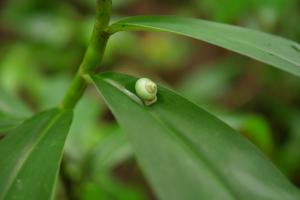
(8, 122)
(112, 150)
(186, 153)
(288, 157)
(276, 51)
(30, 156)
(12, 112)
(253, 126)
(110, 188)
(210, 82)
(12, 105)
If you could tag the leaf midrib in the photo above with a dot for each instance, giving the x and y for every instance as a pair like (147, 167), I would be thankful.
(178, 137)
(182, 140)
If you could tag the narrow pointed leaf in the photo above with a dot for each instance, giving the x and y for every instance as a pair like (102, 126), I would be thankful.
(186, 153)
(30, 156)
(276, 51)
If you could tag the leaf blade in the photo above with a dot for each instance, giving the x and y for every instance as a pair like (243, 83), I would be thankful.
(187, 153)
(34, 151)
(273, 50)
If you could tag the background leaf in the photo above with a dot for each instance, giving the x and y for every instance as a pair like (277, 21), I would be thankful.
(7, 123)
(12, 105)
(279, 52)
(12, 112)
(174, 135)
(30, 156)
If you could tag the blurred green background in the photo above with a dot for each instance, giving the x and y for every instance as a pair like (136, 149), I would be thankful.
(43, 42)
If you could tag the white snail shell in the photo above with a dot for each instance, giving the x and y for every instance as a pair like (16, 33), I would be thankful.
(146, 89)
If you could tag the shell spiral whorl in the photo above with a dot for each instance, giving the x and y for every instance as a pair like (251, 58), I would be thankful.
(146, 89)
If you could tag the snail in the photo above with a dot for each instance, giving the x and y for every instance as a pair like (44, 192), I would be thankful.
(146, 89)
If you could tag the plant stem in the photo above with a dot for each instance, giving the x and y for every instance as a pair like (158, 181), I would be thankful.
(93, 55)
